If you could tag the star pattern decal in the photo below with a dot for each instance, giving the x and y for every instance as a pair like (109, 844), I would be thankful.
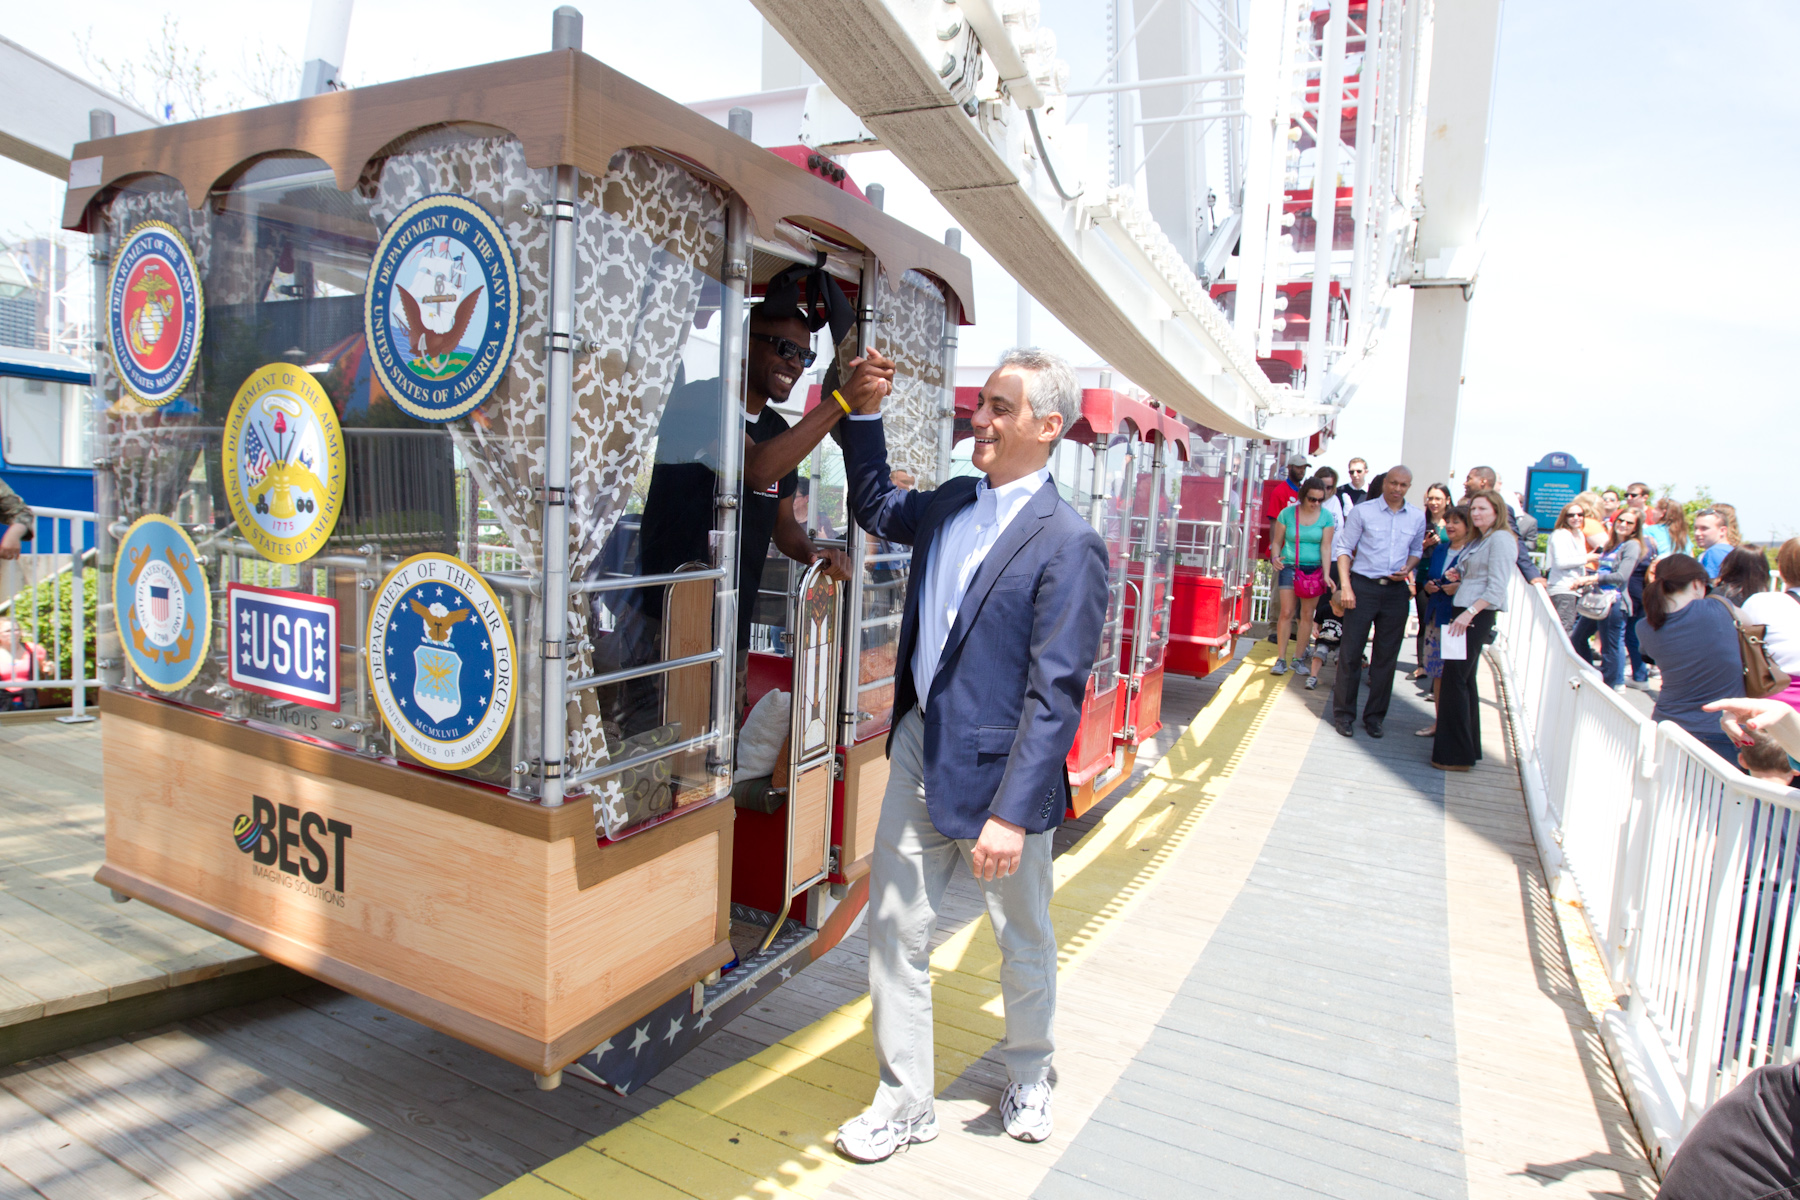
(703, 1022)
(674, 1030)
(602, 1049)
(639, 1038)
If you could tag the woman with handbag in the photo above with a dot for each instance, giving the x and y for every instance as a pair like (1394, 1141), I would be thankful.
(1566, 563)
(1440, 585)
(1695, 645)
(1779, 615)
(1485, 571)
(1604, 606)
(1302, 547)
(1437, 503)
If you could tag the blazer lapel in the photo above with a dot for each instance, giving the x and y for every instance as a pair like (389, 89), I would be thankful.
(1024, 527)
(945, 505)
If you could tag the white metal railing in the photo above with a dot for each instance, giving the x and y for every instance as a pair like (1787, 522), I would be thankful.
(44, 618)
(1688, 872)
(1262, 594)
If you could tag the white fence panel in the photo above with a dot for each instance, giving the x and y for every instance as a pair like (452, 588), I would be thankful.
(1688, 872)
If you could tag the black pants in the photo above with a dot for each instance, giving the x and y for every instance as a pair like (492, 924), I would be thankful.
(1458, 741)
(1381, 606)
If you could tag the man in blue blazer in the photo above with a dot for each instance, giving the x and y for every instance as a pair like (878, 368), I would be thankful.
(1004, 608)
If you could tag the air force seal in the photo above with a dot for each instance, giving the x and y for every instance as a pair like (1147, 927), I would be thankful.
(284, 463)
(441, 310)
(155, 313)
(163, 603)
(441, 660)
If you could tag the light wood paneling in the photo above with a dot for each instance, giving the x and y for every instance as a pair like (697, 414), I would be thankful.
(812, 820)
(438, 915)
(687, 694)
(868, 768)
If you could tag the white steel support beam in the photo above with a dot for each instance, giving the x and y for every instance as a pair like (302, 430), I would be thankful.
(1324, 197)
(1464, 40)
(44, 111)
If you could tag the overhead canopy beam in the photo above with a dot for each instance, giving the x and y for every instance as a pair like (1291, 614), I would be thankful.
(44, 110)
(1099, 265)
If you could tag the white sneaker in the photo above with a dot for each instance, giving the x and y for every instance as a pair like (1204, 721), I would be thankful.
(1312, 683)
(1025, 1111)
(867, 1140)
(1280, 667)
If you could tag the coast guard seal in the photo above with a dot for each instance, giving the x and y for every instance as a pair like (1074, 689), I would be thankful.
(284, 463)
(441, 660)
(155, 313)
(163, 603)
(441, 310)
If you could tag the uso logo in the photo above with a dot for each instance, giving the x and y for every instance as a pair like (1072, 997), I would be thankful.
(155, 313)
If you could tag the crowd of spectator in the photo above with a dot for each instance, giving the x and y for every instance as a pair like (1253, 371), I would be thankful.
(1656, 597)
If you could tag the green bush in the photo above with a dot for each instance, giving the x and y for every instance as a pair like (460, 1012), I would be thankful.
(45, 617)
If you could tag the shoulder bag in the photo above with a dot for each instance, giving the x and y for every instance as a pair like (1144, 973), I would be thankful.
(1761, 676)
(1597, 601)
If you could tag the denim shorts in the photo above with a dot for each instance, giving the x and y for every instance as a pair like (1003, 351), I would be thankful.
(1286, 578)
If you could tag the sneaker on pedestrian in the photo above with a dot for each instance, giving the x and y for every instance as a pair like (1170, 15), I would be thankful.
(1280, 667)
(1301, 669)
(1312, 682)
(1025, 1111)
(867, 1139)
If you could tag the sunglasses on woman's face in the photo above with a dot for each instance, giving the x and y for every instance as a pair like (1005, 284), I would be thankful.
(789, 349)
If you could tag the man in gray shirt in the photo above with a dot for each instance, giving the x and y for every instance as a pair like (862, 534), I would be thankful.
(1382, 541)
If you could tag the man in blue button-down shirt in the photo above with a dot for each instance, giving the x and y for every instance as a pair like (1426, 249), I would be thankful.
(1382, 541)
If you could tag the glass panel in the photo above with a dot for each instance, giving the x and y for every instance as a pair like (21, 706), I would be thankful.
(649, 411)
(910, 330)
(283, 256)
(31, 420)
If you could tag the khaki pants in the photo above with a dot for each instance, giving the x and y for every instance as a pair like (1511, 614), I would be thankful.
(912, 866)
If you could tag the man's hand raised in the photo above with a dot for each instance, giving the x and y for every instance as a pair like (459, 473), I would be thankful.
(871, 379)
(837, 563)
(998, 850)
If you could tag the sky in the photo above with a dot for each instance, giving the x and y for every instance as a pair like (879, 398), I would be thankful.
(1632, 303)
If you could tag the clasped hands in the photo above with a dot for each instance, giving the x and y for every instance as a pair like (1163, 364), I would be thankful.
(871, 380)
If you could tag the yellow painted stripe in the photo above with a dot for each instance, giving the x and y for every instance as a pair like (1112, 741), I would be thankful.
(763, 1127)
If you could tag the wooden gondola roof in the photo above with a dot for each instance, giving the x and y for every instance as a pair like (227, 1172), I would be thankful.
(564, 107)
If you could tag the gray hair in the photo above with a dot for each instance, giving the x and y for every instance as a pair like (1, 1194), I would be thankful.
(1051, 386)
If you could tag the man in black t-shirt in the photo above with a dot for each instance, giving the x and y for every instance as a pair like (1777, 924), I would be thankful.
(678, 510)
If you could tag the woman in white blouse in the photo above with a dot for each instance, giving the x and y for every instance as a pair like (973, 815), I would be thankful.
(1566, 562)
(1484, 574)
(1780, 612)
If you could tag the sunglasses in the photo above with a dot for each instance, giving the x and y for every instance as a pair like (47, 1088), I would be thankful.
(1637, 495)
(787, 348)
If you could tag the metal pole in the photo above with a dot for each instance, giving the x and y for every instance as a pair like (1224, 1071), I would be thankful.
(947, 411)
(553, 712)
(856, 543)
(78, 632)
(1140, 636)
(1358, 299)
(732, 317)
(1324, 196)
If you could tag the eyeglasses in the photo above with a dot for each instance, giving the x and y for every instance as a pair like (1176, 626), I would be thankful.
(787, 348)
(1359, 470)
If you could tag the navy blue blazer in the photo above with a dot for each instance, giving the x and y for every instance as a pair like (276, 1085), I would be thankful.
(1005, 703)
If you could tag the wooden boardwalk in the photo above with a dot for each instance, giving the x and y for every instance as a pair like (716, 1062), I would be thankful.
(1292, 965)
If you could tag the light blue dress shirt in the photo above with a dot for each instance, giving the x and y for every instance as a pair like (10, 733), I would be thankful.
(1379, 540)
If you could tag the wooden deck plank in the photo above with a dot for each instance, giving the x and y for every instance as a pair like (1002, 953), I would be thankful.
(290, 1105)
(49, 1161)
(228, 1130)
(127, 1134)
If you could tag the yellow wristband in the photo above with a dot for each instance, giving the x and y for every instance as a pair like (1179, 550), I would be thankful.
(842, 403)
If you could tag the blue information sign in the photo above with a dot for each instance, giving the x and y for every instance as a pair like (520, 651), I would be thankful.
(284, 644)
(1550, 484)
